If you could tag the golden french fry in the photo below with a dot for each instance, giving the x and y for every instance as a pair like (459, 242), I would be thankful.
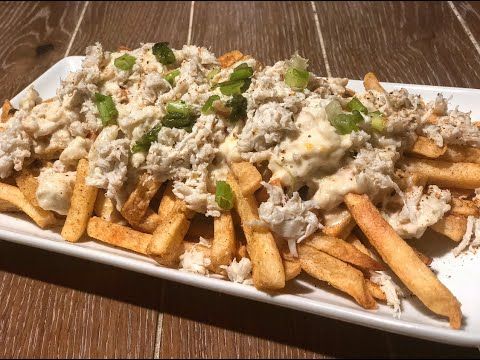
(224, 244)
(344, 251)
(118, 235)
(461, 153)
(355, 241)
(268, 272)
(292, 269)
(375, 290)
(249, 178)
(371, 82)
(340, 275)
(81, 205)
(451, 226)
(5, 206)
(230, 58)
(445, 174)
(423, 258)
(105, 209)
(403, 261)
(14, 196)
(170, 203)
(137, 203)
(426, 147)
(149, 223)
(341, 228)
(464, 207)
(28, 184)
(7, 111)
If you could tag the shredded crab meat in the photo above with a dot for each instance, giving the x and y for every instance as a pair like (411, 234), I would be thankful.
(239, 272)
(392, 291)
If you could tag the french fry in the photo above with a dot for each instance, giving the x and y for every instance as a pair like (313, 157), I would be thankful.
(137, 203)
(268, 271)
(463, 207)
(341, 228)
(224, 244)
(167, 242)
(445, 174)
(149, 223)
(426, 147)
(7, 111)
(423, 258)
(118, 235)
(451, 226)
(241, 252)
(355, 241)
(189, 246)
(292, 269)
(344, 251)
(249, 178)
(81, 205)
(371, 82)
(461, 153)
(375, 290)
(14, 196)
(403, 261)
(105, 209)
(340, 275)
(5, 206)
(28, 184)
(230, 58)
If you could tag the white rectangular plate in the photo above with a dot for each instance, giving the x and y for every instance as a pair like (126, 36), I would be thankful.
(460, 275)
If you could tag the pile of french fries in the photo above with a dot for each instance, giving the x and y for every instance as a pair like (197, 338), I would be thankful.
(153, 222)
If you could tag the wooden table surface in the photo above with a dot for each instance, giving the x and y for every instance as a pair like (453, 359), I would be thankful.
(57, 306)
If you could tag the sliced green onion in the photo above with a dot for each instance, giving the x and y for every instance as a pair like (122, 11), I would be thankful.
(297, 79)
(170, 77)
(179, 107)
(355, 104)
(163, 53)
(231, 87)
(333, 108)
(224, 195)
(238, 105)
(377, 121)
(106, 108)
(241, 72)
(345, 123)
(125, 62)
(211, 74)
(207, 108)
(144, 143)
(298, 62)
(357, 116)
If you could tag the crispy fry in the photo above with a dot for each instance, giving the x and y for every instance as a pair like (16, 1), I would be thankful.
(452, 226)
(105, 209)
(427, 148)
(292, 269)
(371, 82)
(118, 235)
(344, 251)
(14, 196)
(337, 273)
(341, 227)
(460, 153)
(355, 241)
(28, 184)
(464, 207)
(81, 205)
(401, 258)
(248, 177)
(375, 290)
(230, 58)
(5, 206)
(224, 244)
(423, 258)
(445, 174)
(149, 223)
(268, 272)
(7, 111)
(137, 203)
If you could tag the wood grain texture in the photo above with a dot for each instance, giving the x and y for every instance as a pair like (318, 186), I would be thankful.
(470, 12)
(269, 31)
(411, 42)
(56, 306)
(131, 23)
(34, 35)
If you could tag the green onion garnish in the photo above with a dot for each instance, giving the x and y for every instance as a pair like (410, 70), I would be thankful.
(179, 115)
(170, 77)
(297, 79)
(378, 121)
(355, 104)
(232, 87)
(211, 74)
(163, 53)
(125, 62)
(241, 72)
(333, 108)
(106, 108)
(207, 108)
(346, 123)
(238, 105)
(144, 143)
(179, 107)
(224, 195)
